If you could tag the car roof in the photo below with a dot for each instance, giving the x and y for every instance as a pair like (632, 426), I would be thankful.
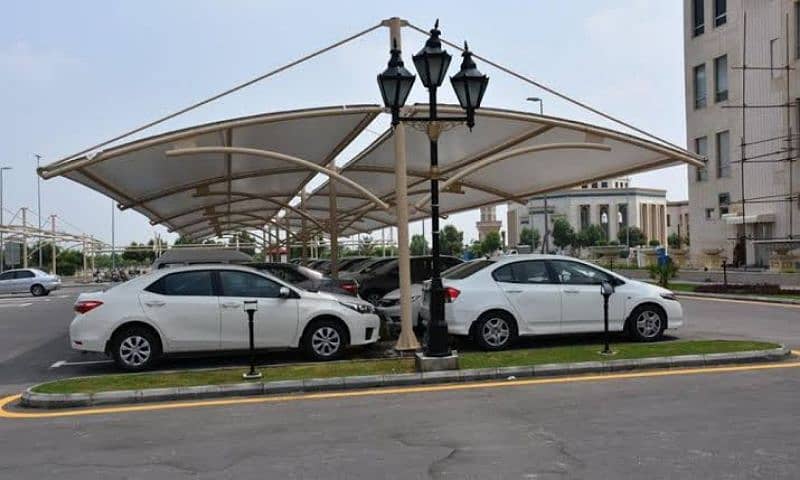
(501, 259)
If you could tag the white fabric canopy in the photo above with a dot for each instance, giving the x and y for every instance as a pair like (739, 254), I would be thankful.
(206, 194)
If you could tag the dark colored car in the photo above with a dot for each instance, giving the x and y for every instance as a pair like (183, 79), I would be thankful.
(307, 278)
(366, 266)
(346, 263)
(375, 283)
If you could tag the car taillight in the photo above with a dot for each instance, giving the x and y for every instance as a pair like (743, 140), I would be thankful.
(451, 294)
(351, 288)
(85, 306)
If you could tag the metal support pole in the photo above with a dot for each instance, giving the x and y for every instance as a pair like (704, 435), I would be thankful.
(303, 234)
(438, 341)
(53, 244)
(24, 237)
(606, 347)
(39, 206)
(334, 226)
(85, 260)
(113, 239)
(250, 307)
(545, 248)
(2, 207)
(93, 247)
(407, 341)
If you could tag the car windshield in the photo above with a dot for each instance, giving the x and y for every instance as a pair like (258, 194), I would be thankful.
(464, 270)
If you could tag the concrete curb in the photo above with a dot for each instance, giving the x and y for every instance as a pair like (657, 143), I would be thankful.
(748, 298)
(32, 399)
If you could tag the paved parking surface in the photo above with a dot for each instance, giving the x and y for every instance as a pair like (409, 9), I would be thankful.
(34, 343)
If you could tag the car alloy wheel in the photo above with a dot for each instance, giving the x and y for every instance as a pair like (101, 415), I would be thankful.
(326, 341)
(648, 324)
(135, 351)
(496, 332)
(37, 290)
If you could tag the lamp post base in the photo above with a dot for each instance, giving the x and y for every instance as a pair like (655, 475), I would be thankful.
(425, 363)
(251, 375)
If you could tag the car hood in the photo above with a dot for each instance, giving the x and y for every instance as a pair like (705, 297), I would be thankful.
(654, 290)
(339, 297)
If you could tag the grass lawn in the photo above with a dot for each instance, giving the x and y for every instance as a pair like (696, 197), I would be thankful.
(691, 287)
(518, 357)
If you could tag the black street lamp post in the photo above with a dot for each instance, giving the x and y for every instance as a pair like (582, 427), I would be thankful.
(395, 83)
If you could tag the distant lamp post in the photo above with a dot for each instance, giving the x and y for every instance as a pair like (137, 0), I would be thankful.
(2, 207)
(545, 240)
(604, 221)
(539, 101)
(469, 84)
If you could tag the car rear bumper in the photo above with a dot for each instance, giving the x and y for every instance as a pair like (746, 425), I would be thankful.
(83, 339)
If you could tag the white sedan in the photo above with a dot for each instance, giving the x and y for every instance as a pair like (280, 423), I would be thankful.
(496, 300)
(201, 308)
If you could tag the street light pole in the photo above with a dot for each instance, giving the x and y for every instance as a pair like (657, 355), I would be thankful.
(545, 239)
(469, 84)
(113, 239)
(39, 206)
(2, 207)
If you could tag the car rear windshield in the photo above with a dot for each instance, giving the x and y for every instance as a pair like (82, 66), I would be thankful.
(466, 269)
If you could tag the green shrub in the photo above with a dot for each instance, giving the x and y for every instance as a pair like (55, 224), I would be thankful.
(654, 243)
(663, 273)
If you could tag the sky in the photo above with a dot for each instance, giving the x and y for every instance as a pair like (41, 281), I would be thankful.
(75, 73)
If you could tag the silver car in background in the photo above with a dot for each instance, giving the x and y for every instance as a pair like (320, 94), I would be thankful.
(37, 282)
(389, 308)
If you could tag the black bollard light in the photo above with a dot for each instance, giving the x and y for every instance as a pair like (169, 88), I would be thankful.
(251, 306)
(606, 289)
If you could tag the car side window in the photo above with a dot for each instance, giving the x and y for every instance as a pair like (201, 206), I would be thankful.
(292, 276)
(24, 274)
(195, 283)
(523, 272)
(6, 276)
(243, 284)
(574, 273)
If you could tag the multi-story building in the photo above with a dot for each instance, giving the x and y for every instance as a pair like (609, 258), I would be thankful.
(488, 222)
(678, 219)
(714, 54)
(605, 203)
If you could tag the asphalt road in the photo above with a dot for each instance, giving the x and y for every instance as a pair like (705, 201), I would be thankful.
(34, 345)
(740, 425)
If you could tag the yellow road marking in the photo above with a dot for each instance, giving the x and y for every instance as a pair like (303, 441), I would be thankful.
(731, 300)
(380, 391)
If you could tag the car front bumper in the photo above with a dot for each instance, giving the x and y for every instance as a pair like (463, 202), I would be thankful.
(367, 331)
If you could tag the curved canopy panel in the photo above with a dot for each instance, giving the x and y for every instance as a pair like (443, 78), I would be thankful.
(556, 154)
(202, 192)
(196, 193)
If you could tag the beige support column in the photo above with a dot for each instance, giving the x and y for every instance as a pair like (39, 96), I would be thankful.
(53, 244)
(407, 340)
(334, 225)
(24, 237)
(94, 252)
(303, 233)
(84, 245)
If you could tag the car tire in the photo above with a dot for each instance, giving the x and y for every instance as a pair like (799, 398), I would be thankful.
(495, 330)
(324, 340)
(373, 297)
(135, 349)
(647, 323)
(38, 290)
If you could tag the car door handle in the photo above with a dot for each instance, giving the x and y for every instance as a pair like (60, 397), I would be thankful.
(513, 291)
(231, 304)
(572, 291)
(155, 303)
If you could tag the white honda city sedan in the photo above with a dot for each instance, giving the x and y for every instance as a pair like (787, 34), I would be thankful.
(201, 309)
(496, 300)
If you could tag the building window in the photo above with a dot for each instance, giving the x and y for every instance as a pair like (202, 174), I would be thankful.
(721, 78)
(585, 216)
(724, 202)
(604, 184)
(698, 17)
(669, 220)
(584, 186)
(720, 12)
(701, 148)
(709, 213)
(774, 56)
(700, 86)
(723, 154)
(594, 185)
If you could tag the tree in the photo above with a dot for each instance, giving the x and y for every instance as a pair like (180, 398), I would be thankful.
(674, 240)
(491, 243)
(563, 234)
(476, 249)
(452, 240)
(183, 240)
(636, 236)
(590, 236)
(529, 237)
(365, 245)
(418, 245)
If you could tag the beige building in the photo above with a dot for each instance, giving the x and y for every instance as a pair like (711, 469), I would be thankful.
(605, 203)
(713, 44)
(488, 222)
(678, 219)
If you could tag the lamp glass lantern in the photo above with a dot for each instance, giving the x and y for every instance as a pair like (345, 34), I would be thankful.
(470, 85)
(395, 84)
(432, 61)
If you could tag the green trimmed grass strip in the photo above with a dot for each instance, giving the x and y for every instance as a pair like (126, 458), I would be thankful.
(507, 358)
(691, 287)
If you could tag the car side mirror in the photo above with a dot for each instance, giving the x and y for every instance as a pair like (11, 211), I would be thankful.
(284, 292)
(606, 289)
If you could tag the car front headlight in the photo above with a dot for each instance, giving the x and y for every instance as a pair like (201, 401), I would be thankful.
(358, 307)
(669, 296)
